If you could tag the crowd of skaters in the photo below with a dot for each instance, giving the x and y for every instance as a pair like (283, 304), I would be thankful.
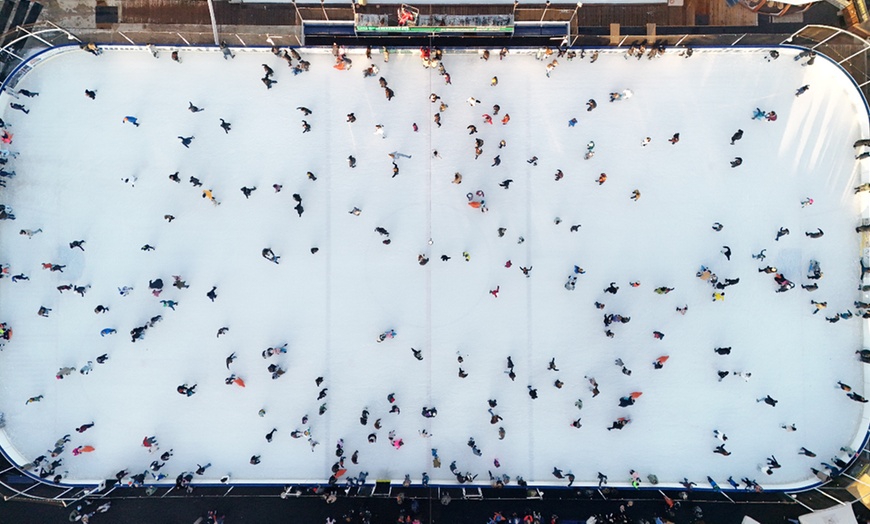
(476, 199)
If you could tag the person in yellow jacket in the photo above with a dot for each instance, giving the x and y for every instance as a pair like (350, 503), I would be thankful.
(819, 306)
(207, 193)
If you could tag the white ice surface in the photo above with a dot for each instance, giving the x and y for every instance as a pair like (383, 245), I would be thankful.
(330, 306)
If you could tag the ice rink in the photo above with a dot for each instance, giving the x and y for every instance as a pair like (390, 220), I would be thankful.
(84, 174)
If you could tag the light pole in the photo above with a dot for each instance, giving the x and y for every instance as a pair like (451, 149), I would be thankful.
(213, 22)
(576, 9)
(579, 5)
(298, 14)
(546, 6)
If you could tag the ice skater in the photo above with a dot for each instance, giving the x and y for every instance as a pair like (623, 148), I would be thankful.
(186, 390)
(388, 334)
(64, 372)
(84, 427)
(736, 162)
(720, 449)
(185, 141)
(551, 66)
(619, 423)
(74, 244)
(299, 209)
(226, 126)
(226, 51)
(770, 401)
(193, 109)
(857, 398)
(20, 107)
(571, 283)
(132, 120)
(92, 48)
(247, 191)
(270, 255)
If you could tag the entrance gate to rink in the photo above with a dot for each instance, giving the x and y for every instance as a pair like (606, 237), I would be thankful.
(404, 22)
(472, 30)
(23, 47)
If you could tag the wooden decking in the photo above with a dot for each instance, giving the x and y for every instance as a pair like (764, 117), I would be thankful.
(195, 12)
(164, 12)
(254, 14)
(192, 12)
(718, 13)
(633, 15)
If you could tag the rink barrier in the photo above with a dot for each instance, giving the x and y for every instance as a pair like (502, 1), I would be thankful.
(88, 488)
